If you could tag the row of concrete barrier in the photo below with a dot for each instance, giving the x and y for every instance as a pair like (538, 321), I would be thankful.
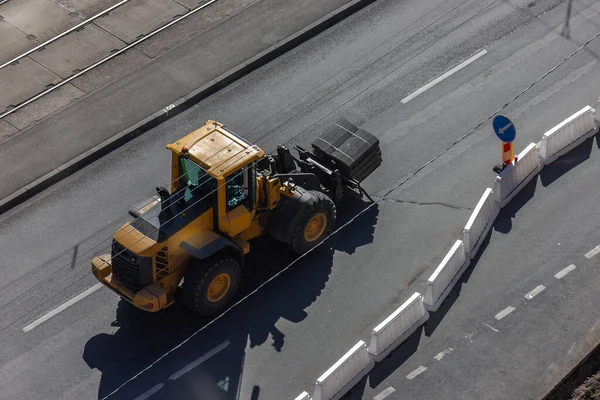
(414, 312)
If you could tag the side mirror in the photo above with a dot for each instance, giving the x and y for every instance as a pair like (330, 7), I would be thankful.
(135, 213)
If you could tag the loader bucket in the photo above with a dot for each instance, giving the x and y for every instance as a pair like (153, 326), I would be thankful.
(355, 152)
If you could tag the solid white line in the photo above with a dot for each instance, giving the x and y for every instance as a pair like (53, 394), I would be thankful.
(199, 361)
(441, 78)
(416, 372)
(150, 392)
(504, 313)
(535, 292)
(384, 394)
(593, 252)
(62, 307)
(565, 271)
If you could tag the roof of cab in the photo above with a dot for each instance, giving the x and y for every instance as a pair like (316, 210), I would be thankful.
(216, 149)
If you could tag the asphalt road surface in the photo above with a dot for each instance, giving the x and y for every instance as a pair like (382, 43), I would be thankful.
(278, 341)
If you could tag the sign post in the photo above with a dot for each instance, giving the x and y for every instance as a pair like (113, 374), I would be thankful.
(505, 131)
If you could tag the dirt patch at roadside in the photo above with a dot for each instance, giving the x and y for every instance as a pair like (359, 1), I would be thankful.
(583, 383)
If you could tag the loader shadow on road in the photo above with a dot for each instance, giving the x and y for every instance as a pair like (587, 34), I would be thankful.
(567, 162)
(503, 223)
(141, 338)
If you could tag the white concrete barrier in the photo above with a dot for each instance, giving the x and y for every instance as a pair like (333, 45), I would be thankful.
(344, 374)
(396, 328)
(567, 135)
(516, 175)
(445, 276)
(303, 396)
(480, 222)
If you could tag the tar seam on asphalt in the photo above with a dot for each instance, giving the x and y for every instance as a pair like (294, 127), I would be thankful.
(376, 62)
(356, 216)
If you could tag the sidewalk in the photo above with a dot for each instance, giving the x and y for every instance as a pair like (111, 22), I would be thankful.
(108, 115)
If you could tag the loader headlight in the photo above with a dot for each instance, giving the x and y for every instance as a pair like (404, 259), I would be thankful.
(133, 259)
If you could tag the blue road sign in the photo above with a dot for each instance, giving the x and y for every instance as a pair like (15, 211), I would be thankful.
(504, 128)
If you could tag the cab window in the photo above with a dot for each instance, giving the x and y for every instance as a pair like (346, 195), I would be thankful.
(240, 188)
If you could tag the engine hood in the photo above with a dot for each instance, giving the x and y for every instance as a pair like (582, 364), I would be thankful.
(134, 240)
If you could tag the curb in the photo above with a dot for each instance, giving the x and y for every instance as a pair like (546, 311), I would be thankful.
(573, 372)
(181, 104)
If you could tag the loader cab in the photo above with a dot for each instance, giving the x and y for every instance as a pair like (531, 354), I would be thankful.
(214, 163)
(237, 201)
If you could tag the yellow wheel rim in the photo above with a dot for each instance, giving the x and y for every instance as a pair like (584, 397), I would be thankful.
(315, 227)
(219, 287)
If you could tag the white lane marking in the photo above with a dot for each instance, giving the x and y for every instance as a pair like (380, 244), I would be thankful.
(491, 327)
(150, 392)
(441, 354)
(416, 372)
(384, 394)
(504, 313)
(441, 78)
(535, 292)
(565, 271)
(62, 307)
(593, 252)
(199, 361)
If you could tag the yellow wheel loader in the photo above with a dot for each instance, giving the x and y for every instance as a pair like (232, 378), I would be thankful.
(224, 193)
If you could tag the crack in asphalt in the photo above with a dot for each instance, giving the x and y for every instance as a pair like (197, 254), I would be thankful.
(433, 203)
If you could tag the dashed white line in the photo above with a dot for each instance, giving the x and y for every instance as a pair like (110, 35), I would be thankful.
(491, 327)
(441, 354)
(565, 271)
(504, 313)
(62, 307)
(150, 392)
(539, 289)
(593, 252)
(416, 372)
(199, 361)
(384, 394)
(441, 78)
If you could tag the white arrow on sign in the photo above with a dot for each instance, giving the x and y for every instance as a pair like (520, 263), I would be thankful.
(505, 128)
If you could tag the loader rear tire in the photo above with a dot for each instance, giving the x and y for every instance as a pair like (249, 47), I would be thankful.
(209, 286)
(315, 225)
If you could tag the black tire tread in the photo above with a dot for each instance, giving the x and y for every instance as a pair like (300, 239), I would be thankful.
(197, 278)
(320, 202)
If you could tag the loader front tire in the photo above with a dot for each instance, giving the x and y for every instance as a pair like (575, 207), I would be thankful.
(315, 225)
(209, 285)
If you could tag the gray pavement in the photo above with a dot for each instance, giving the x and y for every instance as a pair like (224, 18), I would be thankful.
(278, 341)
(128, 95)
(27, 24)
